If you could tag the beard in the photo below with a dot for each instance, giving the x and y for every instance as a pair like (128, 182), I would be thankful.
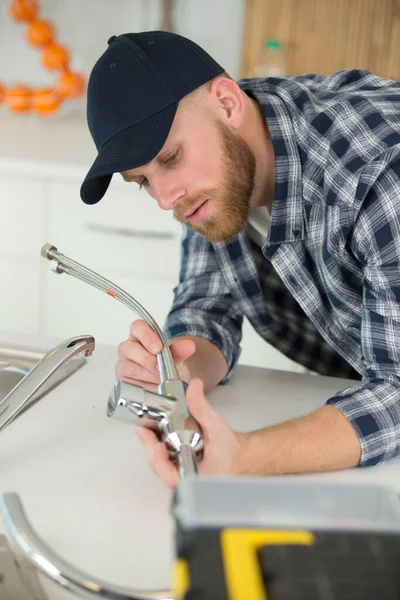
(230, 203)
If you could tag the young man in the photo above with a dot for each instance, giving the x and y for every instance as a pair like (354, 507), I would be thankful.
(288, 190)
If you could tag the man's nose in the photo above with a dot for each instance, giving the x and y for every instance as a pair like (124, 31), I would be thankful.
(168, 196)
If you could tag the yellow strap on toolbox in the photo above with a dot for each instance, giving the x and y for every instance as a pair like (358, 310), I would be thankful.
(239, 552)
(181, 579)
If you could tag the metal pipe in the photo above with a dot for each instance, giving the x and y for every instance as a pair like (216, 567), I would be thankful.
(179, 431)
(41, 556)
(63, 264)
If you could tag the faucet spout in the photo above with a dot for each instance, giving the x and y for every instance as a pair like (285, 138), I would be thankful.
(20, 395)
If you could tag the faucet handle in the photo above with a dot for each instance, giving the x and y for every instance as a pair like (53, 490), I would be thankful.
(133, 404)
(162, 413)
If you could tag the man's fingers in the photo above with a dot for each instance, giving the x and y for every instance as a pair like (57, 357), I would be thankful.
(127, 371)
(163, 467)
(157, 457)
(148, 439)
(142, 332)
(198, 405)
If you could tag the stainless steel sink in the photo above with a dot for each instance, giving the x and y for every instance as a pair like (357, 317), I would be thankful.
(21, 361)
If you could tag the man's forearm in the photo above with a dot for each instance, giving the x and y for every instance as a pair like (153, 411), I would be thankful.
(207, 362)
(321, 441)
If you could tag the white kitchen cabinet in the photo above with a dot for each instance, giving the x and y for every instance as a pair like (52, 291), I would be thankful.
(21, 216)
(126, 231)
(125, 238)
(19, 295)
(73, 307)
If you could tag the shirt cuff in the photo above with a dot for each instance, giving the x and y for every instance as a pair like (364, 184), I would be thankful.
(373, 408)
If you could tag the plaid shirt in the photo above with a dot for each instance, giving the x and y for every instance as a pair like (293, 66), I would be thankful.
(324, 289)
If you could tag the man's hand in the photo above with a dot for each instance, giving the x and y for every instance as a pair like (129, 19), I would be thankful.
(222, 454)
(321, 441)
(137, 356)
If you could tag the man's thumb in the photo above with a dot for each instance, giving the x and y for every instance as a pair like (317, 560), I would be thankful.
(182, 349)
(199, 407)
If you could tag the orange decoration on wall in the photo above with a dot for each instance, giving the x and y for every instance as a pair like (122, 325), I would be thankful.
(55, 57)
(24, 10)
(19, 98)
(71, 85)
(41, 35)
(45, 101)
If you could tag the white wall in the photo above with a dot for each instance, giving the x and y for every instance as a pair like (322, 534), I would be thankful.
(85, 26)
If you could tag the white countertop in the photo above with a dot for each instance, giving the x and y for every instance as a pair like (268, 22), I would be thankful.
(84, 480)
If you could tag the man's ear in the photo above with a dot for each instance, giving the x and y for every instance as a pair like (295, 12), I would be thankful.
(228, 102)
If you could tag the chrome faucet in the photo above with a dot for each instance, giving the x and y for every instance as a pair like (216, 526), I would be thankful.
(19, 396)
(36, 552)
(69, 577)
(165, 411)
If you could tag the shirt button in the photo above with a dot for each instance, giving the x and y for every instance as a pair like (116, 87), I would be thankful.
(297, 233)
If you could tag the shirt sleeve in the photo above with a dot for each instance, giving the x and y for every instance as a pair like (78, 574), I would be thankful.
(373, 406)
(203, 305)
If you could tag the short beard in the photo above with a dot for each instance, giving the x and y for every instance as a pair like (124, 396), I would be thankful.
(231, 202)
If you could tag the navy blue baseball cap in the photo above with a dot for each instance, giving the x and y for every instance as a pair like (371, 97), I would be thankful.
(133, 94)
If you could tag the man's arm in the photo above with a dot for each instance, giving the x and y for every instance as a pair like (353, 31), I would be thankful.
(360, 425)
(205, 311)
(321, 441)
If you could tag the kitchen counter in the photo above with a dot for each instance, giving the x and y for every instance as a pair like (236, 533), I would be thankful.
(58, 147)
(84, 480)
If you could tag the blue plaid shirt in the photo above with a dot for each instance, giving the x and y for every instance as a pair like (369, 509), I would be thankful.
(325, 286)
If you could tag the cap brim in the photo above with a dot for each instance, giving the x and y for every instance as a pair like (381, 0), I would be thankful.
(131, 148)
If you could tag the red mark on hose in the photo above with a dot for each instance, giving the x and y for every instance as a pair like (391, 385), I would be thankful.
(111, 293)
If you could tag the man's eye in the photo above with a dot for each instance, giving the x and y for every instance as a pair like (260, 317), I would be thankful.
(144, 182)
(171, 158)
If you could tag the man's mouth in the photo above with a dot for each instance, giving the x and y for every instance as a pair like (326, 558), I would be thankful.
(191, 211)
(198, 213)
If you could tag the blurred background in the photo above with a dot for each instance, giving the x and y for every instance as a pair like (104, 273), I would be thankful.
(46, 149)
(86, 25)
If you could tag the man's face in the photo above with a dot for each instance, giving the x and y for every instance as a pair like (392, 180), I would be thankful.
(205, 174)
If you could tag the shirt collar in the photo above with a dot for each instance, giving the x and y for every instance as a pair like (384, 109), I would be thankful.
(287, 210)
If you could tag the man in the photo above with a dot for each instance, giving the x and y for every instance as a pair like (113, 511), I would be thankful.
(288, 190)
